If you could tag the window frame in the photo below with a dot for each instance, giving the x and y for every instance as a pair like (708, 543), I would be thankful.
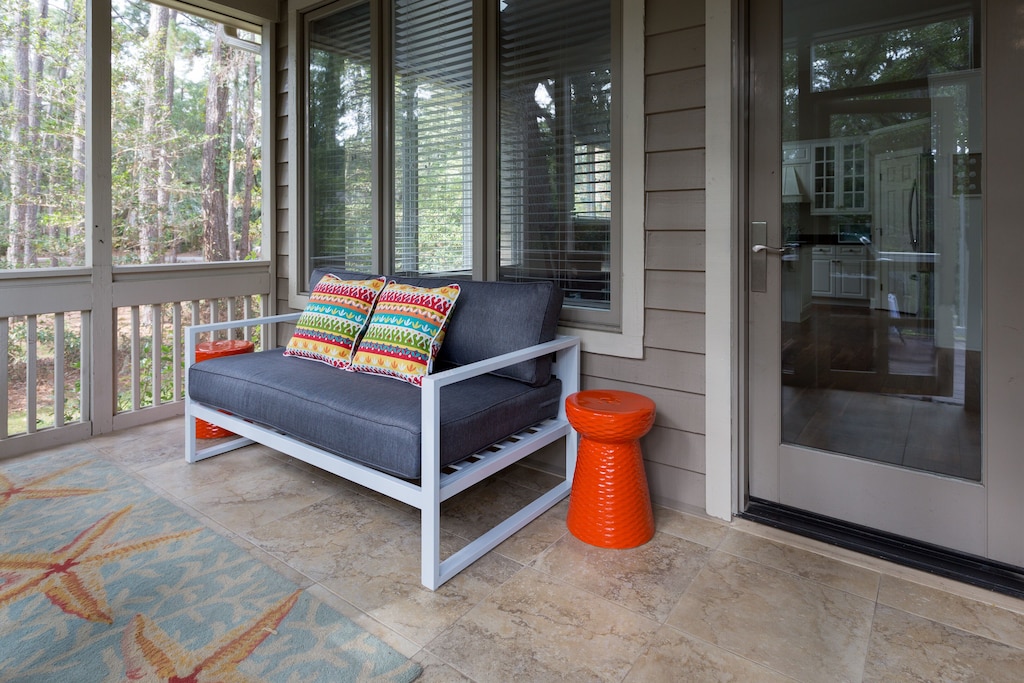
(617, 331)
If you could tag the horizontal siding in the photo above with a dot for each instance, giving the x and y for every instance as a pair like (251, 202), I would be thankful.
(675, 90)
(282, 169)
(675, 290)
(668, 16)
(676, 249)
(664, 368)
(673, 330)
(675, 488)
(672, 372)
(675, 448)
(675, 130)
(674, 51)
(675, 170)
(676, 210)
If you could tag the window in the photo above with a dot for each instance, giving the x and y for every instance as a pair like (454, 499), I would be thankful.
(433, 124)
(186, 130)
(42, 136)
(555, 94)
(466, 151)
(339, 175)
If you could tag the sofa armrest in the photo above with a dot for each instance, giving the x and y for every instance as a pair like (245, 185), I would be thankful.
(192, 332)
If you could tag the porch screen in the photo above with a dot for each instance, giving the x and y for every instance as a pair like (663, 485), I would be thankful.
(555, 184)
(433, 124)
(339, 176)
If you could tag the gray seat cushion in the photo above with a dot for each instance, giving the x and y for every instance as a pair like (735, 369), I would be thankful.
(367, 418)
(490, 318)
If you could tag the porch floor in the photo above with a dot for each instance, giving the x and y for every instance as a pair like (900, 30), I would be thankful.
(704, 600)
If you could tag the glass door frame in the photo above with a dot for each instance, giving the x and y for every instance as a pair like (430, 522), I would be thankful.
(980, 519)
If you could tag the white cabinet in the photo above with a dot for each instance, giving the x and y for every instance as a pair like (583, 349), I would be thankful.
(822, 260)
(839, 272)
(851, 279)
(839, 177)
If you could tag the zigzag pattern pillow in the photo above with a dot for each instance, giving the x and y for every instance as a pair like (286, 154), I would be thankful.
(405, 332)
(334, 319)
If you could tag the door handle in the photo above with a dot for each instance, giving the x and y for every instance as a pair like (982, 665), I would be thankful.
(772, 250)
(758, 265)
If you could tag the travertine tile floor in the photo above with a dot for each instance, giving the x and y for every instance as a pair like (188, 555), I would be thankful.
(703, 601)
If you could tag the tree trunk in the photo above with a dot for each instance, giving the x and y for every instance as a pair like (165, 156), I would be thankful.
(215, 233)
(252, 107)
(148, 171)
(16, 243)
(37, 143)
(163, 195)
(235, 106)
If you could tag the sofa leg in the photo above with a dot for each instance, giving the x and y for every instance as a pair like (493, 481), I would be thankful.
(430, 541)
(190, 434)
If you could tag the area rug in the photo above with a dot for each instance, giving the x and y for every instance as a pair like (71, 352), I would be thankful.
(103, 580)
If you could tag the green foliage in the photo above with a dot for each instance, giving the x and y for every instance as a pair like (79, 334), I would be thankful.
(124, 394)
(156, 142)
(45, 354)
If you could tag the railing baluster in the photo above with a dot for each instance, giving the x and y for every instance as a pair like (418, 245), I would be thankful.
(232, 309)
(31, 377)
(247, 313)
(58, 369)
(136, 360)
(195, 306)
(265, 341)
(215, 317)
(177, 334)
(156, 353)
(5, 351)
(85, 367)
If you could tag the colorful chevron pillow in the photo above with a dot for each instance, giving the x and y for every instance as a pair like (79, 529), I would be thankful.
(334, 320)
(405, 332)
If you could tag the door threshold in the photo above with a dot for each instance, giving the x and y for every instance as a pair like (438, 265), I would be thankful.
(969, 569)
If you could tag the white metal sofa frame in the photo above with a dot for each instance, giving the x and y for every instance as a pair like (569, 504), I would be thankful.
(435, 486)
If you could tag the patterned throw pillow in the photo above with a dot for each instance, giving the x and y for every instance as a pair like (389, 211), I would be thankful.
(334, 319)
(405, 332)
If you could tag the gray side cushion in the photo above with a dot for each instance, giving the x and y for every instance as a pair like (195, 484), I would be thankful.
(491, 318)
(367, 418)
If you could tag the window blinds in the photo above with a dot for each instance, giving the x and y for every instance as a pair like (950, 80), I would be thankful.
(433, 124)
(554, 70)
(340, 129)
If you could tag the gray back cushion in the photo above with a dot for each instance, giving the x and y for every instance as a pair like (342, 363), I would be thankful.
(490, 318)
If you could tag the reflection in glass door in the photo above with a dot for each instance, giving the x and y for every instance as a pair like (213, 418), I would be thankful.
(882, 223)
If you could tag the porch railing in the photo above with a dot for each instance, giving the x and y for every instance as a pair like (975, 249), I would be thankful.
(72, 371)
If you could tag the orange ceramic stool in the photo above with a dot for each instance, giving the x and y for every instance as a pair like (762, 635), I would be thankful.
(610, 504)
(215, 349)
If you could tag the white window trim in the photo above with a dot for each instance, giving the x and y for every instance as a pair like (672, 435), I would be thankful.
(628, 340)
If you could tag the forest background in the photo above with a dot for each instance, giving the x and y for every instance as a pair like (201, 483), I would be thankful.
(185, 126)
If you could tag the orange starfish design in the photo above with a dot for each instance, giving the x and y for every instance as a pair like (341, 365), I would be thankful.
(70, 576)
(152, 655)
(9, 491)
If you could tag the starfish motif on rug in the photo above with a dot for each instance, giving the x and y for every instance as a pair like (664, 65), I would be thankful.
(152, 655)
(70, 576)
(34, 489)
